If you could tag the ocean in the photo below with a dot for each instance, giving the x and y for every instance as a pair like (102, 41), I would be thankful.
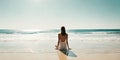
(44, 41)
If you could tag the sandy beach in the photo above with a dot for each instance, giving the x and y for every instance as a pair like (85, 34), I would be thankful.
(41, 46)
(58, 56)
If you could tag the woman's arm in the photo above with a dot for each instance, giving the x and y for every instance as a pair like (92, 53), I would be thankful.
(58, 40)
(67, 41)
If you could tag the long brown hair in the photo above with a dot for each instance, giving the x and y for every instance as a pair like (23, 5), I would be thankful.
(63, 31)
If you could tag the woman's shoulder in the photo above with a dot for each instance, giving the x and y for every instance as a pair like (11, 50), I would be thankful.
(59, 33)
(66, 33)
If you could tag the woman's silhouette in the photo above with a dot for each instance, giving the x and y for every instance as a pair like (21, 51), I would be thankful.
(62, 40)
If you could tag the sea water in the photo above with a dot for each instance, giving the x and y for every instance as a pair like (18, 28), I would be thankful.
(80, 40)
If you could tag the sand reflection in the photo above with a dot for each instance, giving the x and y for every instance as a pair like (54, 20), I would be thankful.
(64, 54)
(61, 55)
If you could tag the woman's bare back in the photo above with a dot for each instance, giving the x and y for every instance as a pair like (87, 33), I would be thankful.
(62, 38)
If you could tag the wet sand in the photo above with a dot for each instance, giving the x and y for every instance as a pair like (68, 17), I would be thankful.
(58, 55)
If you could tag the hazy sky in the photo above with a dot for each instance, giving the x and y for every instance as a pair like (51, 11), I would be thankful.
(52, 14)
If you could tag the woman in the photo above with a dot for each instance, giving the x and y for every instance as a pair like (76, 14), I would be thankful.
(62, 40)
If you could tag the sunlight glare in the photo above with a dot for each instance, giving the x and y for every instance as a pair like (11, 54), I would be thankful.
(38, 1)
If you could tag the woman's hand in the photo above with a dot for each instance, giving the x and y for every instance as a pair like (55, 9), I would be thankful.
(56, 47)
(69, 48)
